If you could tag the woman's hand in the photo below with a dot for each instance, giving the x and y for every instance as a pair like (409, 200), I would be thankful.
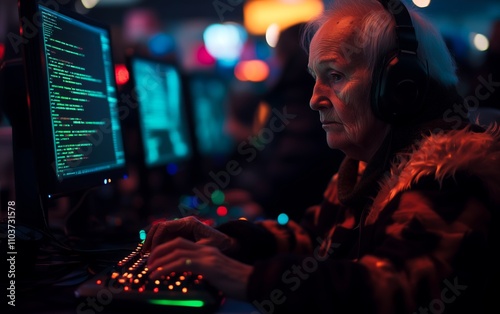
(224, 273)
(189, 228)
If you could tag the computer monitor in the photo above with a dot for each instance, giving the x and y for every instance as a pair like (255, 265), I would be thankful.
(76, 136)
(162, 113)
(162, 151)
(208, 95)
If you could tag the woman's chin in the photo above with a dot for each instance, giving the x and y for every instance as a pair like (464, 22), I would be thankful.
(336, 141)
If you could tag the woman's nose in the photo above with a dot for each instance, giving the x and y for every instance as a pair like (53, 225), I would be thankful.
(319, 98)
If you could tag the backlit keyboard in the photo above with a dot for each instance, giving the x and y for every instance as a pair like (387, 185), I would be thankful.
(127, 285)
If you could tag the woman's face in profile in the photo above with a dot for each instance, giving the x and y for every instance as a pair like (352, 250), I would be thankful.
(341, 92)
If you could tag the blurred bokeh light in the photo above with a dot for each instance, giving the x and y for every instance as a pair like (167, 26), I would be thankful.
(422, 3)
(251, 70)
(481, 42)
(225, 42)
(258, 14)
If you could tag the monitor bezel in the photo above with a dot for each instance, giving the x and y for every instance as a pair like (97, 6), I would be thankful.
(49, 185)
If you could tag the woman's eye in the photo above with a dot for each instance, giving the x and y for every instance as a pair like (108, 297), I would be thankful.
(335, 77)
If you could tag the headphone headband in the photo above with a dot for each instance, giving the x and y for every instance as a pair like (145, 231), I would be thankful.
(400, 81)
(405, 32)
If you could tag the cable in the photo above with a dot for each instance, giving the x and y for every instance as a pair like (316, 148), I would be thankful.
(75, 208)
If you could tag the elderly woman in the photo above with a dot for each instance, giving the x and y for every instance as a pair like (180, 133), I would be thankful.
(406, 225)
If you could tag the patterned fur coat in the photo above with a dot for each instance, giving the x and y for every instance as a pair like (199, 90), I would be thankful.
(412, 233)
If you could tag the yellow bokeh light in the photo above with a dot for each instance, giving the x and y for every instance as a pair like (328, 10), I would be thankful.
(272, 34)
(89, 4)
(258, 15)
(481, 42)
(422, 3)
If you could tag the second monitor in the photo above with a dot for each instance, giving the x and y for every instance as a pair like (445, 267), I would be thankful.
(163, 123)
(159, 137)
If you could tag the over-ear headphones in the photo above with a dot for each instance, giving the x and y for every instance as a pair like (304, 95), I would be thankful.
(401, 80)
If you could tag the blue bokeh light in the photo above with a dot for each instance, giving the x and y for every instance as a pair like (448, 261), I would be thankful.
(283, 219)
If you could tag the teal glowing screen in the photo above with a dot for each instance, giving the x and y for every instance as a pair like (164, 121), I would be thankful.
(162, 115)
(209, 95)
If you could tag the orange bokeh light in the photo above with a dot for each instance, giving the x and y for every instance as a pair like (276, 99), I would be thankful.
(252, 70)
(259, 14)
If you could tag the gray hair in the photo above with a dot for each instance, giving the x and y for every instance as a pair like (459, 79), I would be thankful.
(377, 36)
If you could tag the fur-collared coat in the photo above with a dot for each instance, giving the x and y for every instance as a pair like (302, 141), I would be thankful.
(416, 237)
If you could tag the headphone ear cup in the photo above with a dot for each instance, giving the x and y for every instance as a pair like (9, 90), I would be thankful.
(399, 87)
